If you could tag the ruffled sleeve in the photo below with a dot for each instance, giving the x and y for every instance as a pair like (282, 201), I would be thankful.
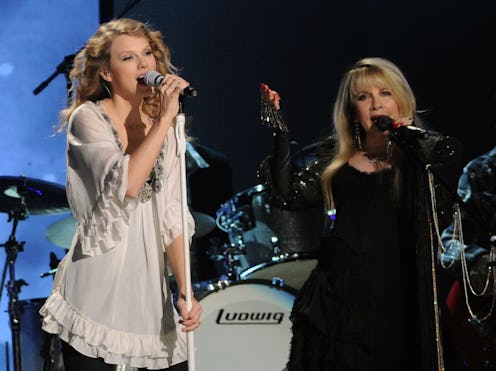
(96, 181)
(169, 198)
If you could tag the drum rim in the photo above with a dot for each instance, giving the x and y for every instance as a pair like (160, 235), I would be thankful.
(226, 208)
(293, 257)
(257, 281)
(254, 189)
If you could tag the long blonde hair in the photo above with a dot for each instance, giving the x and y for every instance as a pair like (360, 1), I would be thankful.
(365, 73)
(86, 83)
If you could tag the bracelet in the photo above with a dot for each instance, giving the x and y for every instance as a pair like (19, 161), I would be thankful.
(272, 117)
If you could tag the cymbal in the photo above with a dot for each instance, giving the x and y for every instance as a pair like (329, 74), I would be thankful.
(40, 197)
(204, 224)
(61, 232)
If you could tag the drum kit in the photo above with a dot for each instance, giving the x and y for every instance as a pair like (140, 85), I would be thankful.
(21, 197)
(269, 255)
(246, 313)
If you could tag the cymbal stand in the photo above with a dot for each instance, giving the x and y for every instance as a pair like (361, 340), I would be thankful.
(12, 248)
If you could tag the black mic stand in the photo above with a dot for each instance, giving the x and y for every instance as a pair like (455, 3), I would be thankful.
(12, 248)
(64, 67)
(408, 141)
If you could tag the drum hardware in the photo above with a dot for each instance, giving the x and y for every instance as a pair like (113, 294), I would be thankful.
(266, 235)
(200, 289)
(277, 282)
(54, 262)
(51, 272)
(20, 197)
(277, 253)
(232, 263)
(245, 219)
(204, 287)
(17, 213)
(289, 270)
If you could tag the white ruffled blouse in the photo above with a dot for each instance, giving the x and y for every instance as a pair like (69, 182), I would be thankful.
(111, 297)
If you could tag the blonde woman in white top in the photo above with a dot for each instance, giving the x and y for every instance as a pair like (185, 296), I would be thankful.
(111, 302)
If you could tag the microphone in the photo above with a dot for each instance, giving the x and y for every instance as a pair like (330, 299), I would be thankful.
(404, 132)
(154, 79)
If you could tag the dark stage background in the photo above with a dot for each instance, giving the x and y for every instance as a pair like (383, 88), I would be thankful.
(226, 49)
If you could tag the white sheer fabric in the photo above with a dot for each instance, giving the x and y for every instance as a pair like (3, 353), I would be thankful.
(111, 297)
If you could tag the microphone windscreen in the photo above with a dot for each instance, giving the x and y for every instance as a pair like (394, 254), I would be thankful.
(153, 78)
(384, 123)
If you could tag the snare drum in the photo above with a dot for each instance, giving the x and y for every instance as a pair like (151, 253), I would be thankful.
(293, 271)
(245, 326)
(246, 218)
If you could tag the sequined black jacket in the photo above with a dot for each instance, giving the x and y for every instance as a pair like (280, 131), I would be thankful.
(294, 179)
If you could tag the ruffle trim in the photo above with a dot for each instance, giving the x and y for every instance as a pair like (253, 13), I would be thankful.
(104, 228)
(172, 226)
(96, 340)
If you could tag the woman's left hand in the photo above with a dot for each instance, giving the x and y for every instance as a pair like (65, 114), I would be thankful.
(190, 320)
(270, 96)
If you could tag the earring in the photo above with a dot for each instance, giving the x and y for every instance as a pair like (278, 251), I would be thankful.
(104, 83)
(357, 138)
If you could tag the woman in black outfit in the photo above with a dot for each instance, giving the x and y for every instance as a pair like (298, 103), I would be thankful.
(370, 304)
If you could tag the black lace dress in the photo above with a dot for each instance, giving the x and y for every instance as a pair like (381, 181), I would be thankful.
(350, 315)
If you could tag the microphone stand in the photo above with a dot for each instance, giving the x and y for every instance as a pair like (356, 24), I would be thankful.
(409, 142)
(64, 67)
(411, 145)
(181, 152)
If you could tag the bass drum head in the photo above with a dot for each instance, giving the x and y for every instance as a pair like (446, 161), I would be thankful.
(245, 327)
(292, 271)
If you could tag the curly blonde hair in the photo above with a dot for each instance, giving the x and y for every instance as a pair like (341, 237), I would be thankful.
(365, 73)
(86, 83)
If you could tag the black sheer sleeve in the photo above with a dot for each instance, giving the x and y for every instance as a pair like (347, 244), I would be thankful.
(293, 181)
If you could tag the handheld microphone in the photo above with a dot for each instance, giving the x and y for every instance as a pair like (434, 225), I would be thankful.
(384, 123)
(155, 79)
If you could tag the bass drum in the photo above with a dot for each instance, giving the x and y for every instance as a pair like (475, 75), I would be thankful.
(293, 271)
(39, 350)
(245, 327)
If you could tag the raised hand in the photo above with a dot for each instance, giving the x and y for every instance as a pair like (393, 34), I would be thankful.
(270, 105)
(270, 96)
